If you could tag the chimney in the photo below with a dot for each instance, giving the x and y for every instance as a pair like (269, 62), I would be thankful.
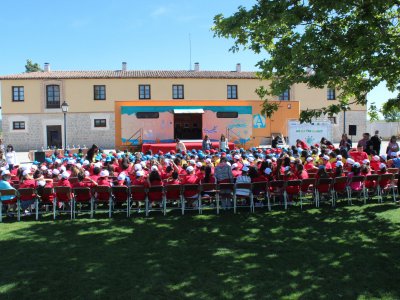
(238, 67)
(196, 67)
(124, 66)
(46, 67)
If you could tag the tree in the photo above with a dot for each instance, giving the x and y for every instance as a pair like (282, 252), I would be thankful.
(373, 112)
(391, 114)
(349, 45)
(32, 67)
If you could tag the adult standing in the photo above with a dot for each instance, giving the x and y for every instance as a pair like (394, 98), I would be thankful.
(206, 144)
(393, 146)
(223, 143)
(92, 153)
(364, 143)
(376, 141)
(223, 174)
(180, 146)
(345, 142)
(11, 157)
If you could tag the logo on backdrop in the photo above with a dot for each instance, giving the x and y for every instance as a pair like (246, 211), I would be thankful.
(259, 121)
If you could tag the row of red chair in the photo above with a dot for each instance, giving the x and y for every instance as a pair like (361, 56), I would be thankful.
(119, 198)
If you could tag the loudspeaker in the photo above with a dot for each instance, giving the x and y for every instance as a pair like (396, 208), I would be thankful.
(39, 156)
(352, 129)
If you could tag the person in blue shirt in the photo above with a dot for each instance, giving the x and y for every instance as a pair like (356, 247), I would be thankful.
(5, 185)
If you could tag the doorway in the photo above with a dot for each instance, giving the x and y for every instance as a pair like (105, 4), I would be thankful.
(188, 126)
(54, 136)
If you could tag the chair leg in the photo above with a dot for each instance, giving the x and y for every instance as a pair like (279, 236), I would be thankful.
(128, 207)
(164, 205)
(19, 210)
(54, 208)
(285, 199)
(91, 207)
(234, 203)
(1, 211)
(71, 204)
(252, 202)
(146, 203)
(37, 209)
(183, 205)
(110, 203)
(217, 200)
(199, 204)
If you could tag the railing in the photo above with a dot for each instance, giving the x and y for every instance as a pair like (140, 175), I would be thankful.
(136, 138)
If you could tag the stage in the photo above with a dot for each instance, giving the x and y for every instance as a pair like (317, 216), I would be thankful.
(190, 144)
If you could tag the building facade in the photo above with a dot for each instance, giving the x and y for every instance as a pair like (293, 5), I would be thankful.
(123, 107)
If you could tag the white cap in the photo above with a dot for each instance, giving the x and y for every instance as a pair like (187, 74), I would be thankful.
(56, 172)
(98, 164)
(65, 175)
(274, 158)
(5, 172)
(357, 165)
(34, 167)
(86, 162)
(154, 168)
(199, 164)
(269, 161)
(309, 159)
(393, 154)
(326, 157)
(70, 162)
(339, 157)
(382, 166)
(41, 183)
(228, 163)
(78, 165)
(189, 169)
(139, 173)
(267, 171)
(87, 173)
(104, 173)
(376, 158)
(250, 159)
(137, 167)
(246, 163)
(192, 162)
(43, 168)
(143, 164)
(121, 176)
(366, 161)
(62, 168)
(384, 156)
(287, 168)
(49, 172)
(208, 160)
(236, 156)
(235, 165)
(26, 172)
(350, 161)
(339, 164)
(58, 161)
(245, 169)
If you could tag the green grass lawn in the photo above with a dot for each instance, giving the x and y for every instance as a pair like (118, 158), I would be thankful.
(348, 252)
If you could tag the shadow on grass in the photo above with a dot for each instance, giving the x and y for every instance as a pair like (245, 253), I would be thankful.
(344, 253)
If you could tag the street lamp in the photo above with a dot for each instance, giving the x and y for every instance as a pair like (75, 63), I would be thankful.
(64, 108)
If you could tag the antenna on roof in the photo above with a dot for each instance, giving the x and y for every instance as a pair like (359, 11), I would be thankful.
(190, 52)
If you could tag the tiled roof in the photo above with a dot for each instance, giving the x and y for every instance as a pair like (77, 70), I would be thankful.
(130, 74)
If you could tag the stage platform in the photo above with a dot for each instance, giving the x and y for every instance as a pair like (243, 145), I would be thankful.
(166, 147)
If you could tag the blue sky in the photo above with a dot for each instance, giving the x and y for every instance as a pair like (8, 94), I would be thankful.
(99, 35)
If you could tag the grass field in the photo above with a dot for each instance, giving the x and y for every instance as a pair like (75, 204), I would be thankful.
(349, 252)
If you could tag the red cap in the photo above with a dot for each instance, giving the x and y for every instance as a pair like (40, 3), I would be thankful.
(223, 154)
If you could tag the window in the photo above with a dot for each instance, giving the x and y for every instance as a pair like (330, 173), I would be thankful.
(177, 91)
(147, 115)
(19, 125)
(232, 92)
(227, 114)
(100, 123)
(52, 96)
(331, 94)
(144, 91)
(18, 93)
(285, 95)
(99, 92)
(332, 119)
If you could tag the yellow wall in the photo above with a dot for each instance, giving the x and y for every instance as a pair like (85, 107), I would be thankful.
(288, 110)
(316, 98)
(79, 93)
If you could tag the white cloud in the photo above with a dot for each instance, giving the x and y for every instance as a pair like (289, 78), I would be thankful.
(159, 11)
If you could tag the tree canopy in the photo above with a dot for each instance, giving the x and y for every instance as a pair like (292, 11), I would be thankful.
(32, 67)
(349, 45)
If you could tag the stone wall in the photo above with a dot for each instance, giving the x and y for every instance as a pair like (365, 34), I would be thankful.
(358, 118)
(80, 130)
